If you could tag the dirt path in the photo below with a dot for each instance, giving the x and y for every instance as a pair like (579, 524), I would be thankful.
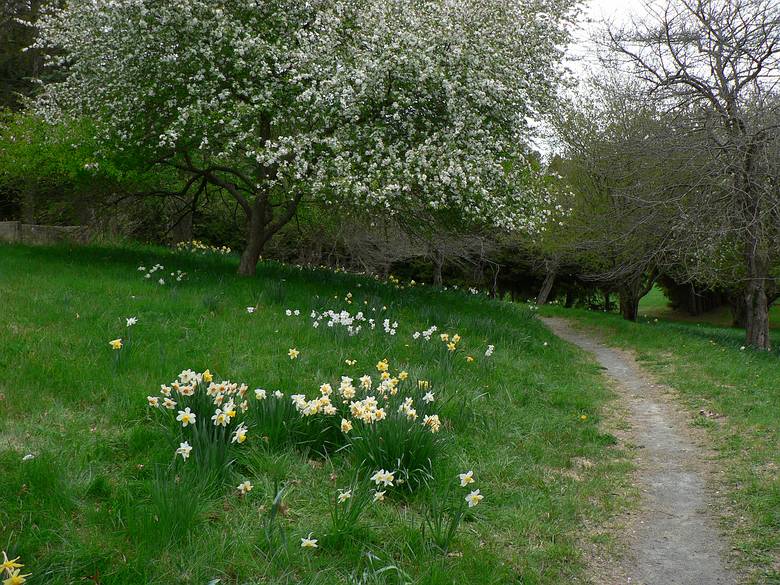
(673, 540)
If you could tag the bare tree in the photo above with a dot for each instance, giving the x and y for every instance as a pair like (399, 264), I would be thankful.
(718, 63)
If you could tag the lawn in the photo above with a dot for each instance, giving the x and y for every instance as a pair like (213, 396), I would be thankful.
(734, 393)
(656, 305)
(92, 488)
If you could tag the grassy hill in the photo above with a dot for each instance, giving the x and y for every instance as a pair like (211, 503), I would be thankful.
(91, 486)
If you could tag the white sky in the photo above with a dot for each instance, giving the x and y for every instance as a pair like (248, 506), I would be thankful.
(596, 12)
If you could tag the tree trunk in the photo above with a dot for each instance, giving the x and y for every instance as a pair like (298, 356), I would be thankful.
(607, 301)
(255, 241)
(757, 306)
(547, 285)
(629, 305)
(569, 299)
(438, 264)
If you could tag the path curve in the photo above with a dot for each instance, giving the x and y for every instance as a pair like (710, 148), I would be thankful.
(675, 540)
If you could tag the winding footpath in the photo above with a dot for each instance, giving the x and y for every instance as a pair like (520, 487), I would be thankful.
(673, 539)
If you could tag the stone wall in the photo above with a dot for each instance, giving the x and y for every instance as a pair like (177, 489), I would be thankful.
(15, 232)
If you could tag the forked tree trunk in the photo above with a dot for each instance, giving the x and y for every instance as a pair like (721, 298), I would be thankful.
(757, 307)
(629, 305)
(547, 285)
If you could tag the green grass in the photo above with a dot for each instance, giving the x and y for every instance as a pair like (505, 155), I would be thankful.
(656, 305)
(101, 501)
(740, 391)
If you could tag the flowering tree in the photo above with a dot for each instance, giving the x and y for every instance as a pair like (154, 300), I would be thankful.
(386, 104)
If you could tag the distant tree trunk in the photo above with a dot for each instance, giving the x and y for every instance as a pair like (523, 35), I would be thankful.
(569, 299)
(632, 292)
(756, 302)
(738, 310)
(438, 264)
(549, 280)
(629, 304)
(607, 301)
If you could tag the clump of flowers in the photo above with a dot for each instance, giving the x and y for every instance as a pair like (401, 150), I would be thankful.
(206, 416)
(353, 323)
(386, 420)
(198, 247)
(11, 568)
(157, 273)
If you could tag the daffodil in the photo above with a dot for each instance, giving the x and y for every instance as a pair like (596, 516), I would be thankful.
(309, 542)
(207, 376)
(244, 487)
(445, 337)
(455, 338)
(169, 404)
(239, 435)
(10, 564)
(14, 578)
(379, 496)
(466, 478)
(153, 401)
(451, 346)
(346, 425)
(384, 477)
(260, 394)
(403, 375)
(293, 353)
(469, 359)
(184, 450)
(382, 366)
(186, 417)
(220, 418)
(428, 397)
(131, 321)
(344, 496)
(433, 422)
(115, 344)
(474, 498)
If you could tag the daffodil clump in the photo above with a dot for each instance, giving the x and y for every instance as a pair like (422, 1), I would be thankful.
(198, 247)
(208, 417)
(157, 273)
(11, 571)
(352, 323)
(385, 419)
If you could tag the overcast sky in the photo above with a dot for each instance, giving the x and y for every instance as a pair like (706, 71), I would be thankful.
(617, 11)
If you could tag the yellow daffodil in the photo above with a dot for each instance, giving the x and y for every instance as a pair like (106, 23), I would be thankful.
(403, 375)
(14, 578)
(10, 564)
(208, 376)
(115, 344)
(451, 346)
(469, 359)
(583, 417)
(432, 422)
(455, 338)
(293, 353)
(382, 366)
